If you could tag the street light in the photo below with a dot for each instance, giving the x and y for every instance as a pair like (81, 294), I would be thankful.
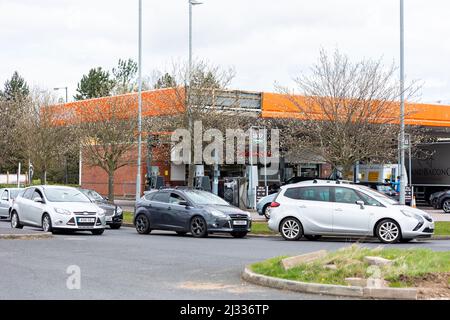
(138, 175)
(402, 104)
(191, 4)
(189, 79)
(66, 173)
(65, 88)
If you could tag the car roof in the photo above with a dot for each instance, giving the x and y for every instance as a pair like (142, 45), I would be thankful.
(318, 182)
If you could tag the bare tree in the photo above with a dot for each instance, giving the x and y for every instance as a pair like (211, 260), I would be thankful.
(43, 138)
(348, 112)
(11, 112)
(108, 130)
(195, 102)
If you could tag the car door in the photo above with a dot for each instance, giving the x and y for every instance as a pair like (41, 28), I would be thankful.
(36, 209)
(312, 206)
(4, 203)
(157, 208)
(348, 216)
(23, 204)
(178, 214)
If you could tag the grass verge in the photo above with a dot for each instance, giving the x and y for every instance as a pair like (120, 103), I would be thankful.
(127, 217)
(261, 228)
(408, 266)
(442, 228)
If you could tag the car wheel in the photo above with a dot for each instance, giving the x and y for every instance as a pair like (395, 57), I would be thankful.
(313, 237)
(266, 211)
(446, 206)
(291, 229)
(239, 234)
(46, 223)
(98, 232)
(142, 224)
(15, 222)
(115, 226)
(388, 231)
(198, 227)
(181, 233)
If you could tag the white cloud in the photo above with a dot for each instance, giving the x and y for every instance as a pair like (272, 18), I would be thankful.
(53, 43)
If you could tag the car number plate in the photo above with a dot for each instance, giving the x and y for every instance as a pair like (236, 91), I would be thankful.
(240, 222)
(109, 218)
(86, 219)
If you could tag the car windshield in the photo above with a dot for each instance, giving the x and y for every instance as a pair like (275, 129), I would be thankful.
(14, 192)
(65, 195)
(384, 188)
(93, 195)
(378, 195)
(205, 198)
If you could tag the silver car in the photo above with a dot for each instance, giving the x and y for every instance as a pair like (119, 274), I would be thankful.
(7, 196)
(319, 208)
(57, 208)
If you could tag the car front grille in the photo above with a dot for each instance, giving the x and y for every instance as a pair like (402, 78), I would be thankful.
(238, 216)
(85, 213)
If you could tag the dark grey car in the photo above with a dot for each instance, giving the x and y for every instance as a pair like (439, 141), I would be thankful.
(113, 213)
(7, 196)
(189, 211)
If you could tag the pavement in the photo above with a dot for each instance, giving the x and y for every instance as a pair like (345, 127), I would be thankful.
(122, 264)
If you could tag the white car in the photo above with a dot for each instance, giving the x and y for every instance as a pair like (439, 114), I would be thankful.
(7, 196)
(57, 208)
(329, 208)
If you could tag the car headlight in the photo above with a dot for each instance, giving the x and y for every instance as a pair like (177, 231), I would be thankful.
(101, 212)
(412, 215)
(119, 210)
(62, 211)
(218, 214)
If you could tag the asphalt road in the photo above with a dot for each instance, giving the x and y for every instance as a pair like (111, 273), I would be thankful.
(121, 264)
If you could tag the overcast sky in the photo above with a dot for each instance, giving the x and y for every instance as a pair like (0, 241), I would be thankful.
(54, 42)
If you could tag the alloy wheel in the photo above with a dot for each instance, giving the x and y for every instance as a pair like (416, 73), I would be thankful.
(446, 206)
(141, 224)
(291, 229)
(46, 224)
(198, 226)
(14, 220)
(389, 231)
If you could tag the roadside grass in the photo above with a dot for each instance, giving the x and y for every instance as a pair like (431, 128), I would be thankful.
(407, 265)
(261, 228)
(442, 228)
(128, 217)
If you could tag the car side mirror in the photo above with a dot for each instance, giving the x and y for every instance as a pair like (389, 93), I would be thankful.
(106, 198)
(360, 203)
(183, 203)
(39, 200)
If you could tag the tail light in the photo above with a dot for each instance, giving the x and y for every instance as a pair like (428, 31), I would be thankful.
(274, 204)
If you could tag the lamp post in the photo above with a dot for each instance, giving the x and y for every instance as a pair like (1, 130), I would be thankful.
(191, 4)
(65, 88)
(138, 175)
(402, 105)
(189, 78)
(66, 173)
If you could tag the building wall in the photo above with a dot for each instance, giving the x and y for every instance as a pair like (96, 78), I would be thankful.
(94, 177)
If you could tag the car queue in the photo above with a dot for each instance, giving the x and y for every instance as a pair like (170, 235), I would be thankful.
(309, 209)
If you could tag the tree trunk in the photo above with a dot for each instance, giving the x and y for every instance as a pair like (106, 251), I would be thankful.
(111, 185)
(191, 175)
(43, 177)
